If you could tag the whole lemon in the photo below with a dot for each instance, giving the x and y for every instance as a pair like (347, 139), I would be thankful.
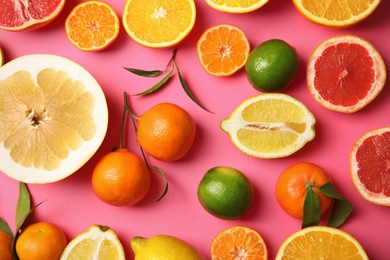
(272, 65)
(225, 192)
(163, 247)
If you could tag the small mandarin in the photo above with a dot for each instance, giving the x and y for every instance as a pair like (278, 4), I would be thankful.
(121, 178)
(166, 132)
(5, 246)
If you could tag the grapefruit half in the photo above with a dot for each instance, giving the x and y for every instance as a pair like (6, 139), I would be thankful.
(370, 166)
(24, 15)
(53, 118)
(345, 73)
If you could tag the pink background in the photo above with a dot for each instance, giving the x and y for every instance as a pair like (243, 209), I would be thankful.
(73, 206)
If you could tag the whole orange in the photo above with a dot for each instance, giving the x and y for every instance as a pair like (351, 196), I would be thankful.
(166, 132)
(292, 186)
(41, 241)
(5, 246)
(121, 178)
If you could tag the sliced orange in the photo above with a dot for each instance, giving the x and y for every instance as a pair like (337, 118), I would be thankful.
(92, 25)
(370, 160)
(159, 23)
(345, 73)
(339, 14)
(223, 49)
(238, 242)
(321, 242)
(236, 6)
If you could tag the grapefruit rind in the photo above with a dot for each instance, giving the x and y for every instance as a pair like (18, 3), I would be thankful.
(235, 122)
(378, 66)
(34, 63)
(225, 6)
(375, 198)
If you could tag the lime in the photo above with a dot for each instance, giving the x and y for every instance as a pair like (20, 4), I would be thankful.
(225, 192)
(272, 65)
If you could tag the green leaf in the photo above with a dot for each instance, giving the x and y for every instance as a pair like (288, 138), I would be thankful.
(311, 209)
(165, 182)
(341, 207)
(145, 73)
(157, 86)
(23, 205)
(187, 89)
(5, 227)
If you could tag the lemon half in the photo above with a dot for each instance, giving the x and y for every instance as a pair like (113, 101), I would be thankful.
(53, 118)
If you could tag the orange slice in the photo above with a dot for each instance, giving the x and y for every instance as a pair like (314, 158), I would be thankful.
(236, 6)
(339, 14)
(223, 49)
(345, 73)
(321, 242)
(370, 166)
(92, 26)
(159, 23)
(238, 242)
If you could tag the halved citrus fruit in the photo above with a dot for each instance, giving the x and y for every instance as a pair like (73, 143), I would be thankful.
(98, 242)
(236, 6)
(321, 242)
(345, 73)
(270, 125)
(27, 15)
(159, 23)
(92, 25)
(238, 242)
(370, 161)
(338, 14)
(53, 118)
(223, 49)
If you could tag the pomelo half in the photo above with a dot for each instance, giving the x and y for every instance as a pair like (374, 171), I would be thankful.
(53, 118)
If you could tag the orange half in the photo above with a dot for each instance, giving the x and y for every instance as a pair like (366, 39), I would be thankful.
(236, 6)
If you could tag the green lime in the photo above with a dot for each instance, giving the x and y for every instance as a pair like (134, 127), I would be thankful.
(272, 65)
(225, 192)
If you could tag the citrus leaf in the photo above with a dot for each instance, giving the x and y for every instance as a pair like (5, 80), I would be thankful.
(187, 89)
(311, 209)
(145, 73)
(165, 182)
(5, 227)
(157, 86)
(329, 190)
(23, 205)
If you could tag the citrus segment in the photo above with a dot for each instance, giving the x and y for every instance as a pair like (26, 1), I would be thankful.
(345, 73)
(236, 6)
(321, 242)
(159, 23)
(370, 171)
(223, 49)
(270, 125)
(238, 242)
(98, 242)
(336, 13)
(92, 25)
(53, 119)
(23, 15)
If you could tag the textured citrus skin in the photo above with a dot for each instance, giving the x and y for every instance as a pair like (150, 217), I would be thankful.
(121, 178)
(41, 241)
(166, 132)
(225, 192)
(272, 65)
(5, 246)
(291, 187)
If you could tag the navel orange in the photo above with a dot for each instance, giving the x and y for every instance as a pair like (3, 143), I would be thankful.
(223, 49)
(28, 15)
(345, 73)
(92, 25)
(370, 161)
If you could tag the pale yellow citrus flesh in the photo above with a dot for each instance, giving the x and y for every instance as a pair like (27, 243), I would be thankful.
(159, 23)
(98, 242)
(321, 242)
(92, 25)
(236, 6)
(270, 125)
(49, 124)
(336, 13)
